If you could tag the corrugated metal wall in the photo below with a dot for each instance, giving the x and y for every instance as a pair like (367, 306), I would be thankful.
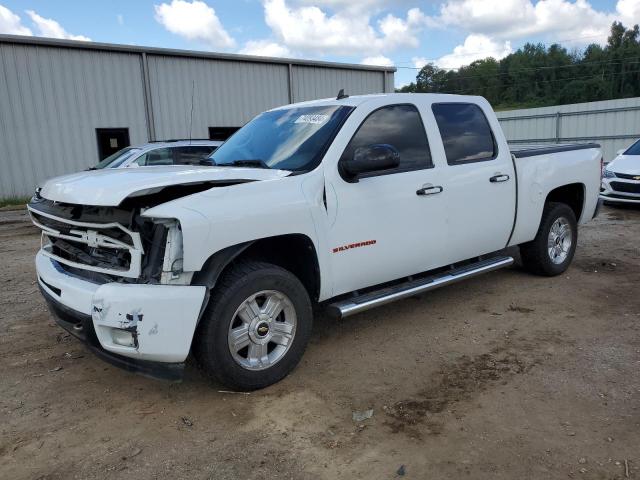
(310, 83)
(51, 102)
(614, 124)
(226, 94)
(55, 93)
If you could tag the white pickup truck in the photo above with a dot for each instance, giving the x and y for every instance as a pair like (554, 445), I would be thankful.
(347, 203)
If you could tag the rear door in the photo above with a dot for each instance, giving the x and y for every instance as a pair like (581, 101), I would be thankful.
(480, 181)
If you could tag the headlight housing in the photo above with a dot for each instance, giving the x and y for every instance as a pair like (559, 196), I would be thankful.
(606, 173)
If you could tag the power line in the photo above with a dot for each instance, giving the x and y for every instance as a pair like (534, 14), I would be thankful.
(528, 81)
(573, 65)
(551, 42)
(551, 67)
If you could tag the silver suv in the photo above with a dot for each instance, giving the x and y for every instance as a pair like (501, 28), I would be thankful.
(169, 152)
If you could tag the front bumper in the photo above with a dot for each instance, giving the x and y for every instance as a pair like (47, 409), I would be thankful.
(618, 198)
(609, 193)
(160, 320)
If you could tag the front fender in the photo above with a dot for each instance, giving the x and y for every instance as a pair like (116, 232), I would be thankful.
(228, 216)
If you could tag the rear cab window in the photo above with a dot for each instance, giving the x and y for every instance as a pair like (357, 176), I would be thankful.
(466, 133)
(399, 126)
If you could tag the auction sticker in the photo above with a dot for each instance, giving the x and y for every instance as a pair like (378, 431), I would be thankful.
(317, 119)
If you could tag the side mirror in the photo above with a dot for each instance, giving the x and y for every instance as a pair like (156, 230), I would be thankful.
(372, 158)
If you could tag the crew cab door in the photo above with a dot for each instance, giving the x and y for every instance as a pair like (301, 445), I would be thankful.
(480, 183)
(387, 224)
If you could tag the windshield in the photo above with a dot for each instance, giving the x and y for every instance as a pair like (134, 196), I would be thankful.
(290, 139)
(118, 158)
(633, 149)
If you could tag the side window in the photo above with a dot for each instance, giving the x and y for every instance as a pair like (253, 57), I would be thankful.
(465, 132)
(192, 155)
(399, 126)
(159, 156)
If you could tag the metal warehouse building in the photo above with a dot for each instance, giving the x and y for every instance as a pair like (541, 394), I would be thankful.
(614, 124)
(60, 100)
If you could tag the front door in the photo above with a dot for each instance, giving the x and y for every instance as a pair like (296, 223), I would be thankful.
(389, 224)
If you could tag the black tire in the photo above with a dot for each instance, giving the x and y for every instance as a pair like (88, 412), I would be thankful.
(535, 254)
(211, 346)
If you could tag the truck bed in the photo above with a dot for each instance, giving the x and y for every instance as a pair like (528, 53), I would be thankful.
(530, 150)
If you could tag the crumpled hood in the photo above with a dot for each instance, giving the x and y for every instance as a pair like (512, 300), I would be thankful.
(628, 164)
(109, 187)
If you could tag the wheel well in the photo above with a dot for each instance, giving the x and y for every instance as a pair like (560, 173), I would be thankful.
(572, 195)
(293, 252)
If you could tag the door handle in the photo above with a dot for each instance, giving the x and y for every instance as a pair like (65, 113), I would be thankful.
(499, 178)
(429, 190)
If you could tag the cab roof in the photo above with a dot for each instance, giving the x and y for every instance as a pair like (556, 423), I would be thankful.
(356, 100)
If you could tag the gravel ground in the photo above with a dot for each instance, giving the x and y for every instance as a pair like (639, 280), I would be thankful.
(505, 376)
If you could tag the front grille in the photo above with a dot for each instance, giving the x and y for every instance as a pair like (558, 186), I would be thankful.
(62, 225)
(626, 187)
(107, 248)
(118, 258)
(627, 176)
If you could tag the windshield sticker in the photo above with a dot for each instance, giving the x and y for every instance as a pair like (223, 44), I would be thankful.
(317, 119)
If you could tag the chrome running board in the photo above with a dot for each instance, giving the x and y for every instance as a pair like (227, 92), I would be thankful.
(360, 303)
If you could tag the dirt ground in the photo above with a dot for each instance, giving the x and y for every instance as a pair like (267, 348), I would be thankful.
(505, 376)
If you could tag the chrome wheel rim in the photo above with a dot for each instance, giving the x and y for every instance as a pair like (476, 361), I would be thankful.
(262, 330)
(560, 240)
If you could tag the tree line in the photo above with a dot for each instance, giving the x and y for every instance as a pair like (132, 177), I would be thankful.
(537, 76)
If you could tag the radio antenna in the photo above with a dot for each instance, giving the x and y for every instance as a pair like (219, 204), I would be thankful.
(193, 87)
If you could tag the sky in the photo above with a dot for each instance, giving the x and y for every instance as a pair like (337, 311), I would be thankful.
(404, 33)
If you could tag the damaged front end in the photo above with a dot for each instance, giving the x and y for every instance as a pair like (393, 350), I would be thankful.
(110, 244)
(114, 279)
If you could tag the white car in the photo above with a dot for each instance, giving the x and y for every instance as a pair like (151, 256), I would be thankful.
(621, 177)
(349, 203)
(169, 152)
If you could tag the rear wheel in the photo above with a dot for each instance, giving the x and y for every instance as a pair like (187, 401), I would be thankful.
(256, 326)
(551, 251)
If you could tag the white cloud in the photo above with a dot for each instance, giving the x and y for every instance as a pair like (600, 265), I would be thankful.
(48, 27)
(491, 24)
(558, 20)
(120, 19)
(194, 20)
(265, 48)
(11, 24)
(629, 11)
(403, 32)
(379, 60)
(475, 47)
(419, 62)
(311, 29)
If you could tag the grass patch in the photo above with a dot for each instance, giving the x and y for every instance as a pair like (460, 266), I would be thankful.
(11, 201)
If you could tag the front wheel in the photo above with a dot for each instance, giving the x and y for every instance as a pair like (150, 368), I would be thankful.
(256, 326)
(550, 253)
